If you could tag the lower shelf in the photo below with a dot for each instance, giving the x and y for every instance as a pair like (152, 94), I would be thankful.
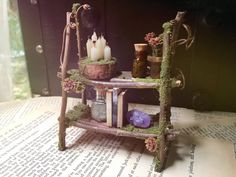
(93, 125)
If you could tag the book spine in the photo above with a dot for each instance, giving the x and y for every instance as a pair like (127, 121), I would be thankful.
(109, 94)
(122, 108)
(114, 107)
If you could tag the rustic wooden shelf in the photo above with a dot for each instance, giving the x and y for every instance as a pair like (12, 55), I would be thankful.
(163, 85)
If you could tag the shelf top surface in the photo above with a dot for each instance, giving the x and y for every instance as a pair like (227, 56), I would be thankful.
(123, 79)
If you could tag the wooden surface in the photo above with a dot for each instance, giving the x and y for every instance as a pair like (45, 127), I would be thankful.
(93, 125)
(124, 80)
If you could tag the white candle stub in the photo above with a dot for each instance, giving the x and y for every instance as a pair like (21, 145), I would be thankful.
(94, 54)
(103, 40)
(107, 53)
(94, 37)
(97, 48)
(89, 45)
(100, 48)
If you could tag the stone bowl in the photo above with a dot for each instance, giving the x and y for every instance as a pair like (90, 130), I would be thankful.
(97, 70)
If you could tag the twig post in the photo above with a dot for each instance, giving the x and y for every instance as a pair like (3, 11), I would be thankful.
(170, 34)
(62, 125)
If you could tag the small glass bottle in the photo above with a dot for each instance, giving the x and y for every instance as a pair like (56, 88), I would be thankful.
(139, 69)
(98, 107)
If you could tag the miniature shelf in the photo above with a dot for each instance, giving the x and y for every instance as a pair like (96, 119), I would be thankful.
(159, 139)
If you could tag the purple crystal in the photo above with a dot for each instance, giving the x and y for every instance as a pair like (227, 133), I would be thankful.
(138, 118)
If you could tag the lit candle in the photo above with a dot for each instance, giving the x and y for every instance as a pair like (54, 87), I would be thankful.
(94, 37)
(89, 45)
(107, 53)
(94, 54)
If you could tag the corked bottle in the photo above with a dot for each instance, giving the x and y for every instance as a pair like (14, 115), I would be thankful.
(139, 69)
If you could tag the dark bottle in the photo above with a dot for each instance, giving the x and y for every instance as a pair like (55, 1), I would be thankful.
(139, 69)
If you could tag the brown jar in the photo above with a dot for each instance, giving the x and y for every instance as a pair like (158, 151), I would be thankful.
(139, 69)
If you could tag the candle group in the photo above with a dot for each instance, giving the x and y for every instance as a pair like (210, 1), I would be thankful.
(97, 48)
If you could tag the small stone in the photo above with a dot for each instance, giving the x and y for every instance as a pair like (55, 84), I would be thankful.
(138, 118)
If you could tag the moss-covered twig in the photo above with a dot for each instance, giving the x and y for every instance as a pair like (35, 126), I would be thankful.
(79, 111)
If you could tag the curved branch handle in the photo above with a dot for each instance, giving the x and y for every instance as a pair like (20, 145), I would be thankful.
(85, 7)
(188, 41)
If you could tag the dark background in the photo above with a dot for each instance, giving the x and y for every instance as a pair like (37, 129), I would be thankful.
(209, 66)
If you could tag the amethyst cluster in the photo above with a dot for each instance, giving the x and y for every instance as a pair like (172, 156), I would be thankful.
(138, 118)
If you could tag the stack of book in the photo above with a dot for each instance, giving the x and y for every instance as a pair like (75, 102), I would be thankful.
(116, 107)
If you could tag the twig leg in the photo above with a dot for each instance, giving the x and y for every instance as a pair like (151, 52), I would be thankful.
(62, 125)
(161, 154)
(62, 119)
(84, 97)
(62, 142)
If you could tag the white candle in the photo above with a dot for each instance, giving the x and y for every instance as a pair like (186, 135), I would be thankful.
(94, 54)
(89, 45)
(103, 40)
(107, 53)
(94, 37)
(100, 48)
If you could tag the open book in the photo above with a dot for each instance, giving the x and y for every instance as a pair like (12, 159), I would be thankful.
(29, 138)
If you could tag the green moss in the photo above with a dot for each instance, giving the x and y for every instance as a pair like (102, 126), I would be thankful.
(154, 129)
(166, 65)
(74, 74)
(147, 80)
(158, 165)
(78, 112)
(75, 6)
(167, 27)
(73, 71)
(101, 61)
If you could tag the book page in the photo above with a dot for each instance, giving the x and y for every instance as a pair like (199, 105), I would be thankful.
(201, 157)
(14, 111)
(29, 147)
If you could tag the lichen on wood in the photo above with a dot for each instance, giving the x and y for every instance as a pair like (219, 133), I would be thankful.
(167, 26)
(79, 111)
(154, 129)
(165, 84)
(165, 95)
(158, 166)
(75, 6)
(170, 34)
(147, 80)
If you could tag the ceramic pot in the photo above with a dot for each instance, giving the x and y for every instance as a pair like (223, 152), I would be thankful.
(155, 66)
